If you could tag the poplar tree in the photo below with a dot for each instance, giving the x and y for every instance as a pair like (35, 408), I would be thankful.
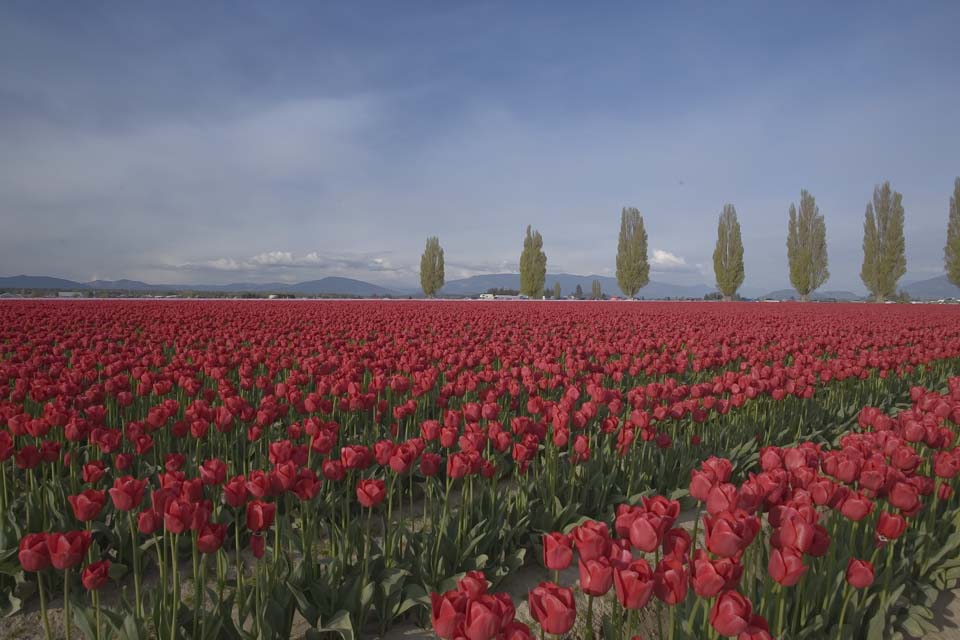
(728, 255)
(556, 290)
(884, 256)
(596, 290)
(807, 247)
(431, 267)
(578, 292)
(951, 252)
(633, 268)
(533, 264)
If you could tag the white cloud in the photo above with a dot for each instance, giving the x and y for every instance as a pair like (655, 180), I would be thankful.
(663, 260)
(286, 264)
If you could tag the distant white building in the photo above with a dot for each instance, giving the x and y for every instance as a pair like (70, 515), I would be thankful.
(69, 294)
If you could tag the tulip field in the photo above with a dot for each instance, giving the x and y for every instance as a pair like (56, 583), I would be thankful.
(272, 469)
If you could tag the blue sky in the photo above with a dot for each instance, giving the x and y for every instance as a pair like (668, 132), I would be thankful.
(223, 142)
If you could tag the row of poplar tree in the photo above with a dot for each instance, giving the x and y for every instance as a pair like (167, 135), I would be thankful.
(884, 255)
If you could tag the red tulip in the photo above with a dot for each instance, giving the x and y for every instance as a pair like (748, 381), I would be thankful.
(596, 576)
(473, 583)
(515, 631)
(482, 619)
(905, 497)
(67, 549)
(859, 573)
(178, 515)
(148, 522)
(210, 537)
(260, 515)
(553, 607)
(333, 470)
(671, 580)
(235, 492)
(213, 472)
(731, 613)
(95, 575)
(891, 525)
(447, 613)
(370, 493)
(92, 472)
(557, 551)
(634, 584)
(856, 507)
(757, 629)
(592, 540)
(727, 533)
(127, 493)
(429, 464)
(786, 566)
(645, 532)
(34, 553)
(307, 485)
(87, 504)
(710, 577)
(676, 542)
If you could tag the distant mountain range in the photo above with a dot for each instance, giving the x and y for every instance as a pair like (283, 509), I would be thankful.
(326, 286)
(936, 288)
(791, 294)
(568, 283)
(930, 289)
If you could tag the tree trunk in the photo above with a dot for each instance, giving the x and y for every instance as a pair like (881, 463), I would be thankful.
(804, 297)
(728, 298)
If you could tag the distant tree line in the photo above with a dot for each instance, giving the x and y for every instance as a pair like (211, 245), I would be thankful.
(884, 252)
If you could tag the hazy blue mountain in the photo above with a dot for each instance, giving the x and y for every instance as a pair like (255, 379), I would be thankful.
(118, 285)
(342, 286)
(932, 289)
(568, 283)
(326, 286)
(791, 294)
(38, 282)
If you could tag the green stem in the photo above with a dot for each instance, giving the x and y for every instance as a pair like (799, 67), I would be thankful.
(780, 609)
(236, 549)
(176, 586)
(197, 584)
(843, 612)
(67, 621)
(96, 609)
(43, 606)
(135, 550)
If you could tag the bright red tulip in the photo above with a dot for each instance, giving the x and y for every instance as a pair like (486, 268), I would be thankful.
(260, 515)
(95, 575)
(553, 607)
(448, 612)
(859, 573)
(67, 549)
(786, 566)
(87, 504)
(127, 493)
(210, 537)
(557, 551)
(370, 493)
(731, 613)
(34, 554)
(596, 576)
(634, 584)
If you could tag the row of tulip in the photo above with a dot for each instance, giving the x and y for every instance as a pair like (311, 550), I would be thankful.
(282, 462)
(848, 541)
